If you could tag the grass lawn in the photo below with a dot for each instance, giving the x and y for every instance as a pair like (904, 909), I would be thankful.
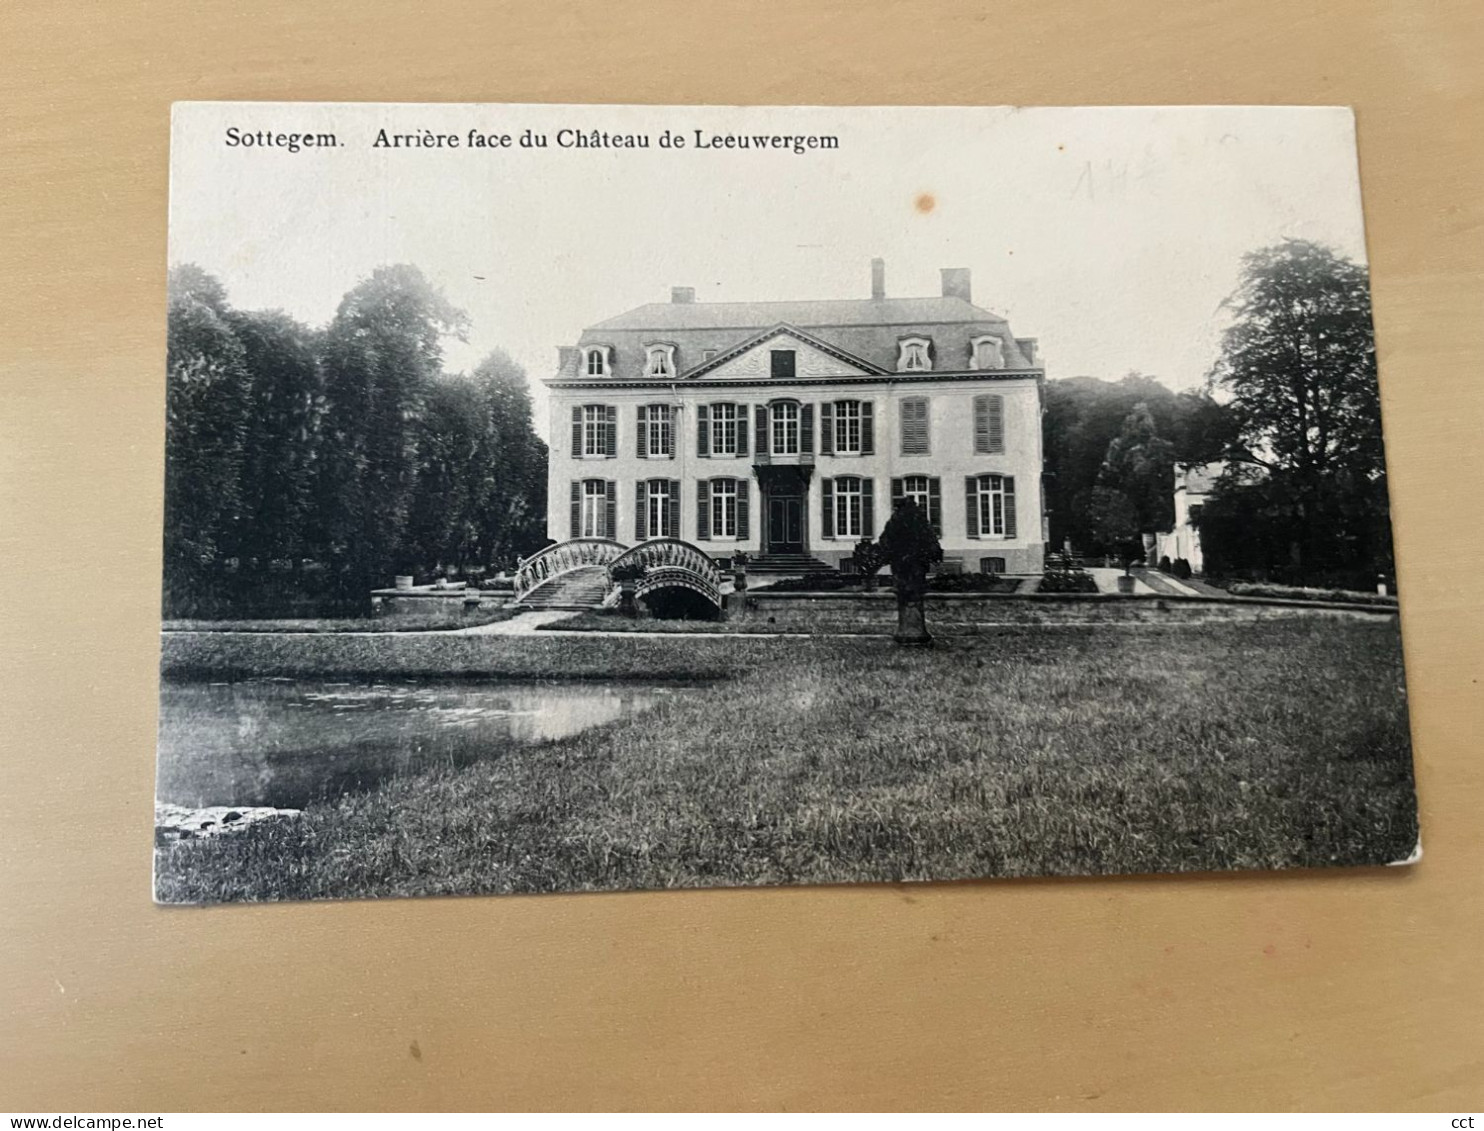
(437, 615)
(1008, 753)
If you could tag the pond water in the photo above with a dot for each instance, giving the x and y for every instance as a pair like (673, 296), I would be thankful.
(286, 743)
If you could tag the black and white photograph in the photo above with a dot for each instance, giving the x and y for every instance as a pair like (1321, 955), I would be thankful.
(590, 498)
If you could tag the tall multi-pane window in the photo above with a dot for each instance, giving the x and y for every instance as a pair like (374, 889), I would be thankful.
(991, 500)
(917, 488)
(594, 430)
(847, 427)
(784, 422)
(656, 431)
(723, 508)
(657, 509)
(848, 518)
(924, 490)
(724, 424)
(595, 509)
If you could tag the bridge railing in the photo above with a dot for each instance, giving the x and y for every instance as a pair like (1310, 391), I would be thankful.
(662, 557)
(563, 557)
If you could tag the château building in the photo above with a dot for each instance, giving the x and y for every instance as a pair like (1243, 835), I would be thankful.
(788, 429)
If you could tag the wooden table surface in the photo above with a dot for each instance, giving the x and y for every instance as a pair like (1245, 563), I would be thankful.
(1355, 990)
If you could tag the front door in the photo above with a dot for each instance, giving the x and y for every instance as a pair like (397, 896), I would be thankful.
(785, 524)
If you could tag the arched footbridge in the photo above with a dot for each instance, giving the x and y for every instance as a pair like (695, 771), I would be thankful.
(581, 573)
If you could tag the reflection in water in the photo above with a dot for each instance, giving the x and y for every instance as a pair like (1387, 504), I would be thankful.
(288, 742)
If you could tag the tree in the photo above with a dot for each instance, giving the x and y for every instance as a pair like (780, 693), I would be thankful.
(1299, 364)
(1084, 415)
(911, 545)
(382, 351)
(512, 498)
(1114, 522)
(1140, 464)
(281, 435)
(206, 405)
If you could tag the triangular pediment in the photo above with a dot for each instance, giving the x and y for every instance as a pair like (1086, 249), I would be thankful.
(752, 360)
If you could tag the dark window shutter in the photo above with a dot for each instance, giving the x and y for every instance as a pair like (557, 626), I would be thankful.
(760, 433)
(576, 431)
(827, 429)
(610, 512)
(674, 509)
(576, 531)
(703, 509)
(743, 491)
(641, 510)
(996, 424)
(806, 429)
(971, 497)
(868, 508)
(915, 426)
(643, 431)
(703, 430)
(741, 429)
(868, 428)
(935, 505)
(827, 512)
(897, 493)
(612, 449)
(1009, 506)
(981, 425)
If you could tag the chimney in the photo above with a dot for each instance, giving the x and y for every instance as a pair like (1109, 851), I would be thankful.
(956, 283)
(878, 278)
(682, 294)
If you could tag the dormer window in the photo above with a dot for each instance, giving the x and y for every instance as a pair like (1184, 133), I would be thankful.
(988, 353)
(595, 361)
(660, 362)
(915, 355)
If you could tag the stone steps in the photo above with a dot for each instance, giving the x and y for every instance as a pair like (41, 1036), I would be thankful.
(585, 588)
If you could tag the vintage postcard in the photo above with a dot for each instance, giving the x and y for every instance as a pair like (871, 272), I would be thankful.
(572, 498)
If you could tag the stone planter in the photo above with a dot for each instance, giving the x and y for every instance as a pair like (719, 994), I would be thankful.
(403, 581)
(1125, 583)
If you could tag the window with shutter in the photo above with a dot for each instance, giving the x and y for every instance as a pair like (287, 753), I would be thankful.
(744, 491)
(592, 508)
(610, 438)
(598, 428)
(576, 431)
(724, 508)
(827, 511)
(656, 432)
(703, 430)
(610, 510)
(989, 424)
(914, 413)
(806, 429)
(992, 506)
(728, 429)
(672, 524)
(849, 508)
(658, 508)
(641, 510)
(574, 528)
(848, 416)
(827, 429)
(785, 428)
(926, 492)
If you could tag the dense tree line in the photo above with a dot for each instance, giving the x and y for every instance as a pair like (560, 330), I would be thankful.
(1291, 410)
(306, 466)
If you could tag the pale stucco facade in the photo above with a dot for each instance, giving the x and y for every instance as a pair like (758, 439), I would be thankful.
(763, 434)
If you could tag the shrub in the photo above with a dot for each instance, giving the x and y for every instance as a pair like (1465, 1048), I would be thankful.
(1182, 569)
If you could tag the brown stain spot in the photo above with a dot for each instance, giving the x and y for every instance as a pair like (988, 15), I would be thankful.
(1270, 950)
(925, 202)
(416, 1050)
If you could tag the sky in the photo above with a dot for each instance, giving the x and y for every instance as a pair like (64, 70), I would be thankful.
(1112, 235)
